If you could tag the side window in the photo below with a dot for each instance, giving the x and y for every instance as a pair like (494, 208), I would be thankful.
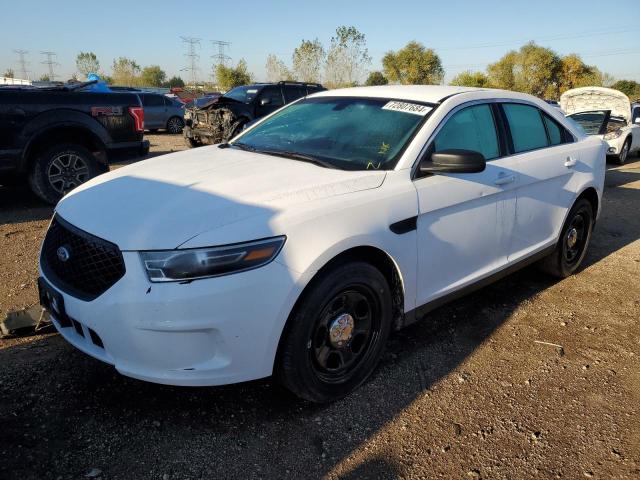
(168, 102)
(273, 94)
(152, 101)
(313, 89)
(525, 123)
(293, 92)
(635, 115)
(556, 132)
(472, 128)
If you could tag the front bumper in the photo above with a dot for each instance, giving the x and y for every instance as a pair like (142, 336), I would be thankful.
(208, 332)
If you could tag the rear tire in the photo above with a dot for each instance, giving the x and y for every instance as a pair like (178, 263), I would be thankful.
(175, 125)
(60, 169)
(573, 242)
(191, 143)
(335, 337)
(621, 158)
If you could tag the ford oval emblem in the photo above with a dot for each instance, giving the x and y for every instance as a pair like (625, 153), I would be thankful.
(63, 253)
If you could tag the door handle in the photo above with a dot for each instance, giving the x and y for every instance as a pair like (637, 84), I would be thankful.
(570, 162)
(504, 179)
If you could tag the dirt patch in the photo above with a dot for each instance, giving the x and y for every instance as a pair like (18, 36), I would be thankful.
(479, 390)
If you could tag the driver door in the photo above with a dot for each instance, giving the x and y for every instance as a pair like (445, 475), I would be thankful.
(465, 220)
(269, 100)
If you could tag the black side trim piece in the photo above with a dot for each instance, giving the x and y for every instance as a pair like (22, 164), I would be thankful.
(419, 312)
(404, 226)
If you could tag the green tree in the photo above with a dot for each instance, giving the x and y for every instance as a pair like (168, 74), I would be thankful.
(347, 59)
(307, 60)
(9, 73)
(470, 79)
(125, 72)
(277, 70)
(532, 69)
(152, 76)
(376, 78)
(86, 63)
(45, 78)
(629, 87)
(412, 65)
(174, 82)
(229, 77)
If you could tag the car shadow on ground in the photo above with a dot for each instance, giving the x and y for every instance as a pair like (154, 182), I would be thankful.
(88, 416)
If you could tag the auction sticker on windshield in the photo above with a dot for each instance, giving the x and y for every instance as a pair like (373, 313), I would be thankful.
(414, 108)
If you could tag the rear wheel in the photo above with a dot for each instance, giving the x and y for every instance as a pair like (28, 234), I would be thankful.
(624, 152)
(60, 169)
(175, 125)
(337, 334)
(574, 240)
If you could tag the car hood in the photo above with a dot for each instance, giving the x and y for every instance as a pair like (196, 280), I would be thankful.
(163, 202)
(587, 99)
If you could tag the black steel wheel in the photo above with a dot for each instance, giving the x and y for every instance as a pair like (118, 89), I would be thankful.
(573, 242)
(336, 335)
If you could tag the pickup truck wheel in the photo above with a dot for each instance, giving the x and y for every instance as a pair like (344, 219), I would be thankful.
(574, 240)
(236, 130)
(624, 152)
(337, 333)
(175, 125)
(60, 169)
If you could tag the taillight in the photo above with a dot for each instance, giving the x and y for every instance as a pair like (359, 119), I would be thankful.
(138, 115)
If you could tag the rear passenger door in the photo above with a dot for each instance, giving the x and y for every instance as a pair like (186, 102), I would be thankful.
(546, 163)
(154, 111)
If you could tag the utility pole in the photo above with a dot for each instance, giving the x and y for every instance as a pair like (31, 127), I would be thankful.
(22, 61)
(192, 58)
(219, 58)
(50, 62)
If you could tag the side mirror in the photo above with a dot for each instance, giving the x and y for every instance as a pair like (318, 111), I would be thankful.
(265, 101)
(453, 161)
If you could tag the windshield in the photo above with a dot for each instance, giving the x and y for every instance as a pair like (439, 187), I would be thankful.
(591, 123)
(351, 133)
(244, 94)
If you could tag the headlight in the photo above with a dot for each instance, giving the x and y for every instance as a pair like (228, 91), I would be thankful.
(195, 263)
(612, 135)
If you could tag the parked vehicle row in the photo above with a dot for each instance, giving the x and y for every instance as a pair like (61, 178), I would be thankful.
(297, 247)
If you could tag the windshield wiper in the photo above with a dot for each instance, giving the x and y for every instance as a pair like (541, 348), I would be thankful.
(303, 157)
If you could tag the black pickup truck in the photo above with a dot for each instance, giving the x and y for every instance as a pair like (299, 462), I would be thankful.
(59, 137)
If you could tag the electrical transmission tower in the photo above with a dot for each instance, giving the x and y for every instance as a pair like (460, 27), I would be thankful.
(50, 62)
(219, 58)
(192, 58)
(22, 61)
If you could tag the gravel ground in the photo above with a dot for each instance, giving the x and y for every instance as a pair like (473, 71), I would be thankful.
(471, 392)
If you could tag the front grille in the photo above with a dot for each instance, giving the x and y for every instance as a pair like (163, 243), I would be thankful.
(92, 264)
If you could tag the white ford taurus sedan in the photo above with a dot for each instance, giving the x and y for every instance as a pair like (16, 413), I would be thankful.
(297, 247)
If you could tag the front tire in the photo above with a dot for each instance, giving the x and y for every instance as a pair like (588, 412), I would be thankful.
(60, 169)
(573, 243)
(621, 159)
(336, 335)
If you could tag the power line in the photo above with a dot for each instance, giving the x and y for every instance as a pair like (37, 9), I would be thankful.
(192, 57)
(22, 61)
(50, 62)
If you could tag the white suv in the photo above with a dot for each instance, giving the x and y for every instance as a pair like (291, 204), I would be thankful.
(296, 248)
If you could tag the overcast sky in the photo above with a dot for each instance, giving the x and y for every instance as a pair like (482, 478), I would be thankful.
(466, 34)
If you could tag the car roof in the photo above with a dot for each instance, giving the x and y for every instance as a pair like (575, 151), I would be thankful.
(424, 93)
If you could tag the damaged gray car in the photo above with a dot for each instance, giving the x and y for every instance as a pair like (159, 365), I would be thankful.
(224, 117)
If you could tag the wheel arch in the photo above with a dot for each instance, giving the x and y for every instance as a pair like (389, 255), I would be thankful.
(375, 256)
(62, 133)
(591, 194)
